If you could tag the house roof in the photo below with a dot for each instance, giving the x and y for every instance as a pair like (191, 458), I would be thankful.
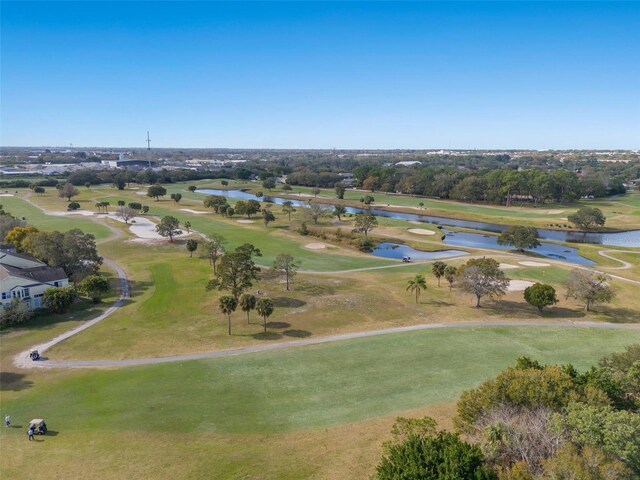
(43, 274)
(5, 252)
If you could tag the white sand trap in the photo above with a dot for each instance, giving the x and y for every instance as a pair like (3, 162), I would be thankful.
(141, 193)
(197, 212)
(518, 285)
(244, 220)
(85, 213)
(143, 228)
(421, 231)
(6, 195)
(315, 246)
(534, 264)
(507, 266)
(554, 212)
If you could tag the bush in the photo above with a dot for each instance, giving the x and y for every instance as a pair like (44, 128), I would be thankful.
(59, 299)
(303, 230)
(365, 245)
(15, 312)
(441, 457)
(73, 206)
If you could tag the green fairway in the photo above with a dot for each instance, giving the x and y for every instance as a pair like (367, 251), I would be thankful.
(34, 216)
(306, 387)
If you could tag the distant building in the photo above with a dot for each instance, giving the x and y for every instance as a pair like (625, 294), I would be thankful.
(22, 276)
(129, 163)
(409, 163)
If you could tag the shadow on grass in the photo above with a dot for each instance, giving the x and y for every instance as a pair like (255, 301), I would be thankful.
(10, 381)
(618, 314)
(297, 333)
(137, 288)
(521, 310)
(267, 336)
(440, 303)
(288, 302)
(278, 325)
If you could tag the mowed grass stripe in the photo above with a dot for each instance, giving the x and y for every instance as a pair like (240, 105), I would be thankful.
(302, 388)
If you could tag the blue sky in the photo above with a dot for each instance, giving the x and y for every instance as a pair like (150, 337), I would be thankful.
(321, 75)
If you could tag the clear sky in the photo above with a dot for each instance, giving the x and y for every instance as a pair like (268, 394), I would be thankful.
(321, 75)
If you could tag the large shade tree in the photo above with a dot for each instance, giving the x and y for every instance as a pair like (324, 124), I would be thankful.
(237, 270)
(590, 288)
(587, 217)
(482, 277)
(522, 238)
(169, 227)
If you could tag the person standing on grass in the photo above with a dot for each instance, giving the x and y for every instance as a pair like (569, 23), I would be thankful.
(30, 433)
(7, 420)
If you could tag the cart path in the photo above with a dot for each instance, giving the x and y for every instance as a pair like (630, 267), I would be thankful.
(22, 360)
(313, 341)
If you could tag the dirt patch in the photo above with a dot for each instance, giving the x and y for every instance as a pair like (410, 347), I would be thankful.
(534, 264)
(507, 266)
(518, 285)
(315, 246)
(244, 220)
(421, 231)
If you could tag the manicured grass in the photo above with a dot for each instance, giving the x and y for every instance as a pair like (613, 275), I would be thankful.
(19, 208)
(265, 396)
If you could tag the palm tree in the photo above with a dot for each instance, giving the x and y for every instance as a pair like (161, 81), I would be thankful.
(417, 284)
(450, 274)
(228, 305)
(438, 269)
(264, 308)
(287, 208)
(247, 303)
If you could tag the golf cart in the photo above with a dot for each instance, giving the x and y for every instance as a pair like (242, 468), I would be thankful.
(34, 355)
(406, 259)
(38, 425)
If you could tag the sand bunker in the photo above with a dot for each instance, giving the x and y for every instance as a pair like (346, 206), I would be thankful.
(85, 213)
(534, 264)
(315, 246)
(244, 220)
(554, 212)
(518, 285)
(507, 266)
(421, 231)
(141, 193)
(143, 228)
(197, 212)
(6, 195)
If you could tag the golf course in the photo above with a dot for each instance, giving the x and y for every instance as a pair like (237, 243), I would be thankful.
(156, 387)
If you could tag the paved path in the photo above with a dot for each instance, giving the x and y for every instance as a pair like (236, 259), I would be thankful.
(625, 264)
(314, 341)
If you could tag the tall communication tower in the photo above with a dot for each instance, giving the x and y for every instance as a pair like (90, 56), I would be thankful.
(148, 149)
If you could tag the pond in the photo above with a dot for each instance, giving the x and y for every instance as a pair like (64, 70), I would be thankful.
(629, 238)
(399, 251)
(550, 250)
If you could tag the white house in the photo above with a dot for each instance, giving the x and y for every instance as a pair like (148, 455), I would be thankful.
(22, 276)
